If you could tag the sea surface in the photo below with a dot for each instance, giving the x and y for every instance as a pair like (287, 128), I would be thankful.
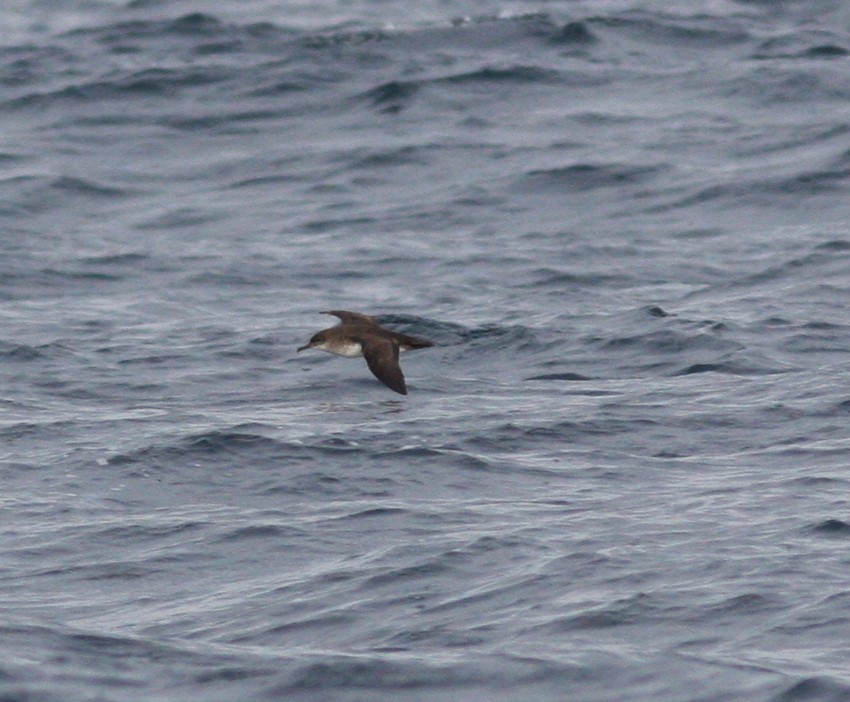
(622, 473)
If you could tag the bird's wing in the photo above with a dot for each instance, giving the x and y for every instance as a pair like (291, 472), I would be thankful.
(353, 317)
(382, 358)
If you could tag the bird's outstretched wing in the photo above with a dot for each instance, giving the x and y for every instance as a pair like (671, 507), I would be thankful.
(353, 317)
(382, 358)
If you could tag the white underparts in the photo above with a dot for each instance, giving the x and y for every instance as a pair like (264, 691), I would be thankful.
(351, 349)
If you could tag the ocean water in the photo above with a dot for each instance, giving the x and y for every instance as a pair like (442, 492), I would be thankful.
(623, 471)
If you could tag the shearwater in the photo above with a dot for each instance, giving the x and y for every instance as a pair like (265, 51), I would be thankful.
(360, 335)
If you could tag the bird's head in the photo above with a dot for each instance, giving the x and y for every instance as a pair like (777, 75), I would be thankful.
(317, 341)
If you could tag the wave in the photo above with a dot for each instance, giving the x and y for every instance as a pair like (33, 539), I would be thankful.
(585, 176)
(10, 351)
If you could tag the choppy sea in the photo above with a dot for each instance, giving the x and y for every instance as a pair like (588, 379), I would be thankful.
(623, 472)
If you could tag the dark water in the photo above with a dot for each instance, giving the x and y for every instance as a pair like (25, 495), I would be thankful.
(623, 472)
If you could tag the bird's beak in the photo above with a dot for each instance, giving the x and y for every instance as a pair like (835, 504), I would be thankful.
(306, 346)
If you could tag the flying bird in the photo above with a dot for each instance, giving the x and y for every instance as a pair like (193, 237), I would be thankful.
(360, 335)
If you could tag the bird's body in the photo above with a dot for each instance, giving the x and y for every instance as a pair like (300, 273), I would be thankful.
(360, 335)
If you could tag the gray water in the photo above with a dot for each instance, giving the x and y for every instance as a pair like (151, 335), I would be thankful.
(621, 473)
